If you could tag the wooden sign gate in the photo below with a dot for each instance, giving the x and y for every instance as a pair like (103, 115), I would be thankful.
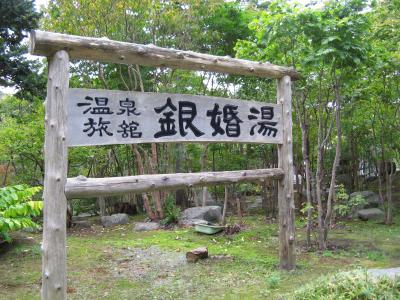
(99, 117)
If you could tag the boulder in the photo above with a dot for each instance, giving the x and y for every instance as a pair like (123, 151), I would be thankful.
(116, 219)
(371, 198)
(371, 214)
(146, 226)
(193, 215)
(191, 222)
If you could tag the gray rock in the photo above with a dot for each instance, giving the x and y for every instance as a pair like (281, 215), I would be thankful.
(146, 226)
(82, 224)
(81, 217)
(391, 273)
(192, 215)
(371, 198)
(116, 219)
(370, 214)
(191, 222)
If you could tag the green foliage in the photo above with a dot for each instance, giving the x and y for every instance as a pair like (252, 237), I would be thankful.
(171, 211)
(248, 189)
(345, 204)
(273, 280)
(355, 285)
(15, 69)
(228, 23)
(17, 208)
(21, 138)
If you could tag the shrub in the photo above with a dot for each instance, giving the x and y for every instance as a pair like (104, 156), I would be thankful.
(356, 285)
(345, 203)
(273, 280)
(171, 211)
(17, 209)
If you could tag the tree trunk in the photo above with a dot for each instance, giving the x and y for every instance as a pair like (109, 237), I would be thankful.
(146, 203)
(180, 195)
(153, 163)
(157, 194)
(378, 168)
(226, 196)
(336, 162)
(203, 162)
(389, 209)
(264, 196)
(319, 175)
(306, 157)
(238, 207)
(102, 205)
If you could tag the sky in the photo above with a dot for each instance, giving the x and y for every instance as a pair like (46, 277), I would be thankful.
(40, 3)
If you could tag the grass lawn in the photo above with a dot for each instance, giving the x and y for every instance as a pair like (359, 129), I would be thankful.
(119, 263)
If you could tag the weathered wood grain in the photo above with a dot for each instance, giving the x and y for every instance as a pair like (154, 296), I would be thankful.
(113, 116)
(54, 257)
(285, 185)
(82, 187)
(105, 50)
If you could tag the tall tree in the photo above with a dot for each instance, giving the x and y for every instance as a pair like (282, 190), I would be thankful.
(325, 45)
(17, 18)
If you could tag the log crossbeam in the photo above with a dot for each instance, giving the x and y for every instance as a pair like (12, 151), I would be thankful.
(82, 187)
(102, 49)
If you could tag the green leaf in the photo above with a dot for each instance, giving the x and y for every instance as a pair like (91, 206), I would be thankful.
(330, 39)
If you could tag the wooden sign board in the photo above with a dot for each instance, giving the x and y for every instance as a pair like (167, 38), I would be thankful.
(104, 117)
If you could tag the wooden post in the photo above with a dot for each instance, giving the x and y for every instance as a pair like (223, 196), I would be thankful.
(54, 275)
(285, 185)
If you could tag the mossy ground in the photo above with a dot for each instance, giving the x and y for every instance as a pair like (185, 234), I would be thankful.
(246, 267)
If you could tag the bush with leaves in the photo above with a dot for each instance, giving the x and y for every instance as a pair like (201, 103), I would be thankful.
(17, 208)
(172, 211)
(346, 204)
(349, 285)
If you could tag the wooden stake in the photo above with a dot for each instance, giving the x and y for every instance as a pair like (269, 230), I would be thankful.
(285, 185)
(54, 274)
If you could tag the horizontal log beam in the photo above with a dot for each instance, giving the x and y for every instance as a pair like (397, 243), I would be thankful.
(82, 187)
(102, 49)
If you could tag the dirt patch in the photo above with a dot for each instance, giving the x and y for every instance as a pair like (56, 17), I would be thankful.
(148, 264)
(18, 241)
(340, 245)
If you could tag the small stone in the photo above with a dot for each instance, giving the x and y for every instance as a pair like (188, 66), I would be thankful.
(196, 254)
(82, 224)
(146, 226)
